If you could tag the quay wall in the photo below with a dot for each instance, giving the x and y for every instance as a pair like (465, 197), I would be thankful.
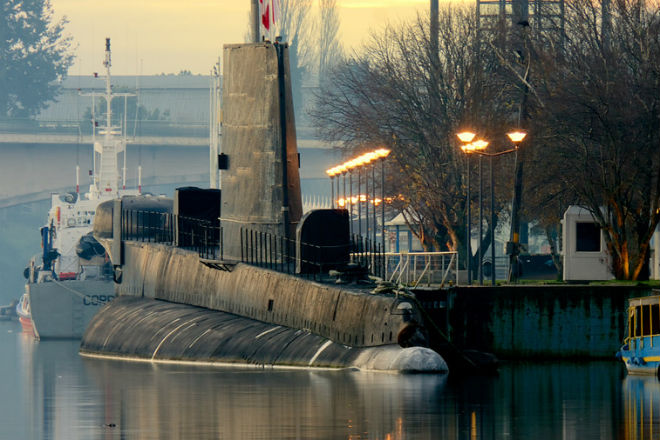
(537, 322)
(338, 313)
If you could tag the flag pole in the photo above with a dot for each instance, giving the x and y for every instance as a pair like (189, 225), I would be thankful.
(254, 15)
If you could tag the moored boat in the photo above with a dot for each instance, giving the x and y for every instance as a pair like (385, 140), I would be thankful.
(24, 315)
(9, 311)
(74, 277)
(641, 349)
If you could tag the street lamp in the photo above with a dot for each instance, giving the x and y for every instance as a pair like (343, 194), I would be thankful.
(478, 147)
(466, 137)
(331, 172)
(473, 147)
(382, 154)
(357, 164)
(513, 248)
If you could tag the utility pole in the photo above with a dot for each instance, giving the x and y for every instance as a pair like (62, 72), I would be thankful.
(215, 106)
(520, 22)
(434, 28)
(433, 49)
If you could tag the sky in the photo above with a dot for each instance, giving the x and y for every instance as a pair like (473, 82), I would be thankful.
(167, 36)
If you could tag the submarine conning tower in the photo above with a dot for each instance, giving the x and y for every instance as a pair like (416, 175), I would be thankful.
(261, 185)
(236, 275)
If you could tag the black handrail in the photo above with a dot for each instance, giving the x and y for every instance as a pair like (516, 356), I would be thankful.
(257, 248)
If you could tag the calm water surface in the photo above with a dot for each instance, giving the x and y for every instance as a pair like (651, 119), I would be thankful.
(49, 392)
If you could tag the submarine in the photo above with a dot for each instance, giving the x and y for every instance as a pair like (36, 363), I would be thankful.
(239, 276)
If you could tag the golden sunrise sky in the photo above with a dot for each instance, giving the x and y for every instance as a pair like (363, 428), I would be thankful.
(167, 36)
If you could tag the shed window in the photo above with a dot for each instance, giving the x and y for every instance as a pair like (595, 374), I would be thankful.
(587, 237)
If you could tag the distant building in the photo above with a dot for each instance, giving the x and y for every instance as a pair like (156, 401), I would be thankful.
(399, 237)
(184, 97)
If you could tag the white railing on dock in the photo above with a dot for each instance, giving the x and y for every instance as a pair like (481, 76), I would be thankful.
(422, 268)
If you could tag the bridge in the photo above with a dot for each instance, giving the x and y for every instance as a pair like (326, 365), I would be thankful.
(39, 157)
(34, 165)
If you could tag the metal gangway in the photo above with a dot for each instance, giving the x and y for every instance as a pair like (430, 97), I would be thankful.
(417, 268)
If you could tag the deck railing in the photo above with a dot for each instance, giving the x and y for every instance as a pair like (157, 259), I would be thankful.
(416, 268)
(257, 248)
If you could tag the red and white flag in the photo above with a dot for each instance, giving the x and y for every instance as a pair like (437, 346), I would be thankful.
(269, 10)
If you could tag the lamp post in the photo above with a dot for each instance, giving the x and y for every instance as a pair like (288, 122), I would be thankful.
(343, 170)
(331, 173)
(466, 137)
(481, 224)
(350, 196)
(357, 164)
(382, 154)
(513, 247)
(478, 147)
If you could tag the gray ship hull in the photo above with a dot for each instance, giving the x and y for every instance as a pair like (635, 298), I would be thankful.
(63, 309)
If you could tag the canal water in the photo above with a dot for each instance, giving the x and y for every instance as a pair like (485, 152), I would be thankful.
(48, 391)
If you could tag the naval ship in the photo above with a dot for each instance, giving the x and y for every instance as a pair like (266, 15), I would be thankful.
(72, 277)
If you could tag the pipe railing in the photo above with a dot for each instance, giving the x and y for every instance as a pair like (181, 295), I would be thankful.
(257, 248)
(164, 227)
(414, 268)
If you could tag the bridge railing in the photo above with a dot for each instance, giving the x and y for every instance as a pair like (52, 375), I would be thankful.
(157, 128)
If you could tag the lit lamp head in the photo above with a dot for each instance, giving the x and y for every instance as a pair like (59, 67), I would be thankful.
(516, 136)
(382, 152)
(466, 136)
(480, 145)
(368, 157)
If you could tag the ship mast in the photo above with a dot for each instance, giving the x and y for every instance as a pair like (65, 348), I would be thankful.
(106, 179)
(108, 88)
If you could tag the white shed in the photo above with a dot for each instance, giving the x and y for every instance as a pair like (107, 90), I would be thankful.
(399, 236)
(584, 250)
(655, 255)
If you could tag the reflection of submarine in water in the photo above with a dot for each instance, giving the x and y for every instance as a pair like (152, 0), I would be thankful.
(249, 404)
(237, 290)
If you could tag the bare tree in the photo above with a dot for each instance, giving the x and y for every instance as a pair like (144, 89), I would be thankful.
(597, 122)
(330, 51)
(295, 26)
(397, 92)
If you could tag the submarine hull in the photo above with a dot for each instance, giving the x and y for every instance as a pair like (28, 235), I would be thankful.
(160, 331)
